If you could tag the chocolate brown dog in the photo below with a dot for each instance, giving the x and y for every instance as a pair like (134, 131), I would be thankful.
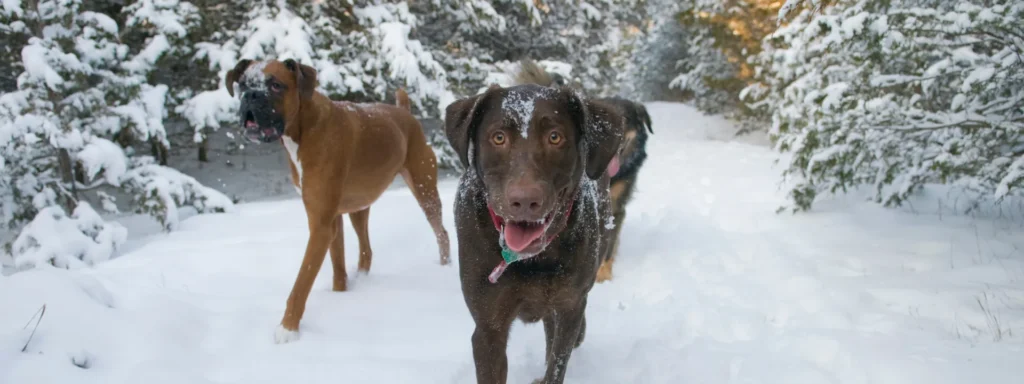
(343, 156)
(530, 215)
(624, 167)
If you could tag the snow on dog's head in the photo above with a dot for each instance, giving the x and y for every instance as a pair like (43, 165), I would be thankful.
(270, 92)
(532, 146)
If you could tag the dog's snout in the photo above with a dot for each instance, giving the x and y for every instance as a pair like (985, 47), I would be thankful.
(525, 199)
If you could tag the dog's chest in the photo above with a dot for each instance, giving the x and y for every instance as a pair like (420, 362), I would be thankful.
(542, 298)
(293, 153)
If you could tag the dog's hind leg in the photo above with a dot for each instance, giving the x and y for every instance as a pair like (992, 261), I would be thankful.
(420, 174)
(361, 224)
(619, 196)
(337, 251)
(604, 272)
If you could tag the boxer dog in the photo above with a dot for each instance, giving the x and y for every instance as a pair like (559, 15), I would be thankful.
(531, 213)
(342, 155)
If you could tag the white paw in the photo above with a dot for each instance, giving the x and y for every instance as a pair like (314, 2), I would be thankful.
(283, 335)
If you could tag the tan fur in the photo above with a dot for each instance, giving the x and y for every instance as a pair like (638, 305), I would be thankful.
(616, 190)
(531, 73)
(349, 154)
(604, 273)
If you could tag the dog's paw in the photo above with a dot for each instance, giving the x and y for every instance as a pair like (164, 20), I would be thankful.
(284, 335)
(604, 273)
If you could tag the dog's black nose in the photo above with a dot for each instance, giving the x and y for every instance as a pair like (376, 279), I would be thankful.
(525, 199)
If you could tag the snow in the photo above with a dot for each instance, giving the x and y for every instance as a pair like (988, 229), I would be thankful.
(163, 190)
(101, 21)
(978, 75)
(405, 58)
(34, 59)
(144, 61)
(521, 106)
(207, 109)
(12, 7)
(165, 15)
(254, 76)
(285, 34)
(103, 155)
(53, 238)
(711, 286)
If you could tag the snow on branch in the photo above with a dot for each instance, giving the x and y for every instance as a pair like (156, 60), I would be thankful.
(405, 60)
(159, 191)
(54, 238)
(896, 97)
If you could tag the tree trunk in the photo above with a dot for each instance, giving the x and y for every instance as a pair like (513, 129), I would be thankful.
(159, 150)
(203, 149)
(69, 199)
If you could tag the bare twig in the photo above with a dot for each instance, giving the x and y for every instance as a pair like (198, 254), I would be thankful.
(40, 312)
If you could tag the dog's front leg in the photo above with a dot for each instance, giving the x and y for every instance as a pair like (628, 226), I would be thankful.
(566, 326)
(322, 230)
(489, 345)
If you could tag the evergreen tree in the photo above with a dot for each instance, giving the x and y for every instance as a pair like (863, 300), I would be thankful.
(895, 95)
(80, 94)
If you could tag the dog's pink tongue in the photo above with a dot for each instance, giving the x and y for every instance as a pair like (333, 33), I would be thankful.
(613, 166)
(518, 237)
(250, 124)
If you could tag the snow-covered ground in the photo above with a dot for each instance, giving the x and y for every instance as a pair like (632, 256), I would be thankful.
(711, 286)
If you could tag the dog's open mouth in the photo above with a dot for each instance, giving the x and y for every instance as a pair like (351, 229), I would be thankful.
(520, 235)
(254, 132)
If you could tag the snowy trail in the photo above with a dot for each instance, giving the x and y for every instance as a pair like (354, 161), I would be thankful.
(711, 286)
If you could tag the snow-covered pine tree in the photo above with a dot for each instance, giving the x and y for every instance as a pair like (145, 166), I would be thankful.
(361, 53)
(592, 36)
(895, 95)
(656, 55)
(443, 26)
(80, 91)
(721, 36)
(160, 34)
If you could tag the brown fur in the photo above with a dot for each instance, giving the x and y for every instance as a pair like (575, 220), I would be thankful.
(568, 183)
(348, 154)
(632, 152)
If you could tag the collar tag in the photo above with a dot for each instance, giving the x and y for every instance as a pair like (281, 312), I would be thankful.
(509, 256)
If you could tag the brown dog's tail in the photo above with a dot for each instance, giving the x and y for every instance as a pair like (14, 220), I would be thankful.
(531, 73)
(402, 99)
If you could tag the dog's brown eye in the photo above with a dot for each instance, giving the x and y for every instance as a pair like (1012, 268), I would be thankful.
(498, 138)
(276, 87)
(555, 138)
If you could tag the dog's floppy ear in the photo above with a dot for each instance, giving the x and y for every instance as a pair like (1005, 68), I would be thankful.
(461, 120)
(305, 77)
(646, 117)
(601, 126)
(232, 76)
